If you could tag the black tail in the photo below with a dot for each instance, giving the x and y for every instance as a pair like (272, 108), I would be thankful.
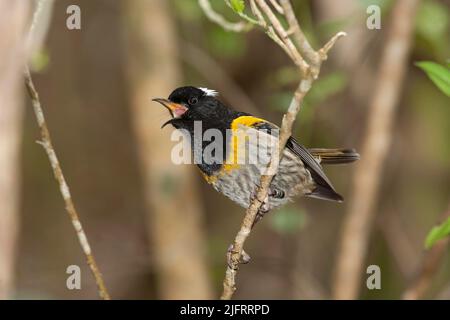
(334, 156)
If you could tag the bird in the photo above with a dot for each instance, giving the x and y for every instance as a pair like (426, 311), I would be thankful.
(300, 171)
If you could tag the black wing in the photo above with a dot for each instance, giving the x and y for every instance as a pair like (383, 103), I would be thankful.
(324, 189)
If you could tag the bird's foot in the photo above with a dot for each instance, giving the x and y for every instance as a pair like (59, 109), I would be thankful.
(277, 194)
(265, 205)
(243, 259)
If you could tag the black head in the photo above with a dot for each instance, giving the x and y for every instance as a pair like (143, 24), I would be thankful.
(189, 104)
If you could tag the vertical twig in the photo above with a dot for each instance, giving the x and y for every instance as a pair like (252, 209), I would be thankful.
(358, 221)
(275, 30)
(63, 187)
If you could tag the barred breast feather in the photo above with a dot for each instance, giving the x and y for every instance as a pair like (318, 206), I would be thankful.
(299, 173)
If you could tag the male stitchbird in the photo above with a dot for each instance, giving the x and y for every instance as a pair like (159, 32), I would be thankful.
(299, 172)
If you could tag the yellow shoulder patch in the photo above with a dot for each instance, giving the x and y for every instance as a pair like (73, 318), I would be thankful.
(238, 136)
(245, 121)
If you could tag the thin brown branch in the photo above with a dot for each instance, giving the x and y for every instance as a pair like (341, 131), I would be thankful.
(220, 20)
(428, 267)
(277, 6)
(284, 36)
(63, 187)
(303, 44)
(323, 52)
(361, 211)
(269, 29)
(229, 282)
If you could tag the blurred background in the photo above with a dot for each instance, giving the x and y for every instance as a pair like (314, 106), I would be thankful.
(159, 231)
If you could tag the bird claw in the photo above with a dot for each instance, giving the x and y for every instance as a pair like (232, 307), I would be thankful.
(244, 258)
(265, 206)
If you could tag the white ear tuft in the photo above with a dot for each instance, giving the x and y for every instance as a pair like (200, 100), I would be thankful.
(209, 92)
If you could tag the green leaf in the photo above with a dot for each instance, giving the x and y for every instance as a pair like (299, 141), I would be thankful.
(439, 74)
(238, 5)
(438, 233)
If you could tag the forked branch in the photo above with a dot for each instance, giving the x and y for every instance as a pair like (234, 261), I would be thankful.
(296, 46)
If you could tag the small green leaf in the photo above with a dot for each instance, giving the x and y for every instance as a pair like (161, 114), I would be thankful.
(437, 233)
(439, 74)
(238, 5)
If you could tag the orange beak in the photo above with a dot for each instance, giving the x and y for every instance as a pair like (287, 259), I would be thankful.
(175, 109)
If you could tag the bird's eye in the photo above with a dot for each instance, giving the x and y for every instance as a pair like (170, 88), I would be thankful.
(193, 100)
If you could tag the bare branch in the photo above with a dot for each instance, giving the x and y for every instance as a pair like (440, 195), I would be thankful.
(258, 14)
(220, 20)
(294, 54)
(324, 50)
(277, 33)
(38, 28)
(277, 6)
(302, 43)
(63, 187)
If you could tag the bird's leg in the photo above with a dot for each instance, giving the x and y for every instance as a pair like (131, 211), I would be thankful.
(261, 212)
(245, 258)
(277, 194)
(265, 207)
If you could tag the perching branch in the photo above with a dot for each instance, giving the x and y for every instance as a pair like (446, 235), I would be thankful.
(63, 187)
(298, 52)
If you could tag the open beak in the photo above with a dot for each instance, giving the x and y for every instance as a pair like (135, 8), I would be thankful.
(176, 109)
